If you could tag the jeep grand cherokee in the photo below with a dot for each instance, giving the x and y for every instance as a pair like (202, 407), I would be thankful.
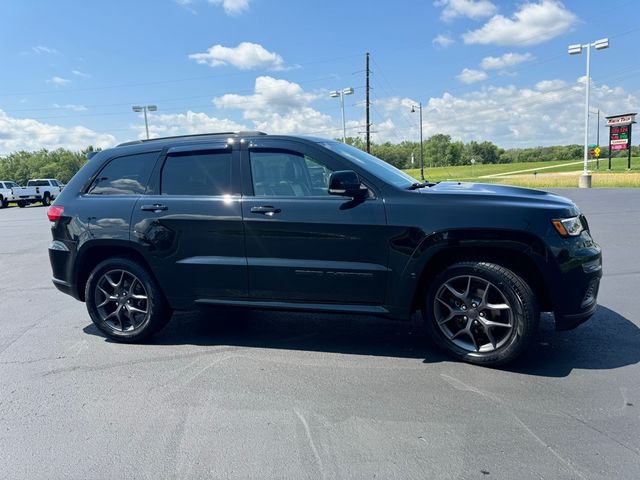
(262, 221)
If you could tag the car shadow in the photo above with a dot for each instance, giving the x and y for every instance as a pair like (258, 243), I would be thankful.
(606, 341)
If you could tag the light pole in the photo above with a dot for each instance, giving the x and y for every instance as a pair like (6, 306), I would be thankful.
(576, 49)
(413, 110)
(341, 94)
(144, 108)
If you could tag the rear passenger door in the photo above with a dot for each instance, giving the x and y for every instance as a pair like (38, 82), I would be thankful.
(189, 224)
(104, 209)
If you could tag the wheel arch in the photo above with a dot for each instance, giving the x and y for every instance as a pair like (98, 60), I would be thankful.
(94, 253)
(520, 252)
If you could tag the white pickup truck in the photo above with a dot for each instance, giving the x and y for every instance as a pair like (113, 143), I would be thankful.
(43, 190)
(6, 192)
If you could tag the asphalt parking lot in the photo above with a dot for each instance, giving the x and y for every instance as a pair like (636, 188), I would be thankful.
(235, 394)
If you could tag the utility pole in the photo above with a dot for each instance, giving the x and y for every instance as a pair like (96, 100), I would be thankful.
(367, 105)
(413, 109)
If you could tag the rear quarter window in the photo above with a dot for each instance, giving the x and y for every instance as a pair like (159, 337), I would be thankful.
(127, 175)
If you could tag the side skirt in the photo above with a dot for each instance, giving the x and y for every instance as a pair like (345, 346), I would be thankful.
(318, 307)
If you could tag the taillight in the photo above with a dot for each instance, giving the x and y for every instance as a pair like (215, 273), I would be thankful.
(55, 212)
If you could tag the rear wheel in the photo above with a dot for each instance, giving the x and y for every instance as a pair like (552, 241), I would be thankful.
(124, 301)
(46, 200)
(481, 313)
(3, 203)
(22, 203)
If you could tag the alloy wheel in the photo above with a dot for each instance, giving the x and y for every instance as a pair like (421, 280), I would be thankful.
(121, 301)
(473, 313)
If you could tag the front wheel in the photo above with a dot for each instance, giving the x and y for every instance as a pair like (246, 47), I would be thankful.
(481, 313)
(124, 301)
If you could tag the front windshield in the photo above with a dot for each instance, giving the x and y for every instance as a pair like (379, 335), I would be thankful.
(377, 167)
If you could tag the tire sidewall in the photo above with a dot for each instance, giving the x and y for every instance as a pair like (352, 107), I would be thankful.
(46, 200)
(519, 296)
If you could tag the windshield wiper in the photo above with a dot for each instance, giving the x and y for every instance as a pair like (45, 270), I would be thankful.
(417, 185)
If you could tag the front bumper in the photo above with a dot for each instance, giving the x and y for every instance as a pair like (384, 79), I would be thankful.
(577, 281)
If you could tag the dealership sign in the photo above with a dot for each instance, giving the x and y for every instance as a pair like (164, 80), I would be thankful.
(620, 134)
(626, 119)
(619, 137)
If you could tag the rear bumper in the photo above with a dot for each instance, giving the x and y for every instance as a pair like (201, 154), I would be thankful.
(65, 287)
(61, 258)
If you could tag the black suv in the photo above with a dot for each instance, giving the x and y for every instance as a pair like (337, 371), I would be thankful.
(262, 221)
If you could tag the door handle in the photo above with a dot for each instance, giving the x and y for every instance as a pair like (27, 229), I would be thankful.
(156, 207)
(267, 210)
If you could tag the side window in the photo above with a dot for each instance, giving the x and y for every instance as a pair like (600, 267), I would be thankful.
(288, 174)
(124, 175)
(197, 173)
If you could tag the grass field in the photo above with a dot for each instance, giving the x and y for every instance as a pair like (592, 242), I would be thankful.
(540, 174)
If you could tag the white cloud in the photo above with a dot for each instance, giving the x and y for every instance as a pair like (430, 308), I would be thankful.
(551, 113)
(79, 73)
(392, 104)
(279, 106)
(504, 61)
(232, 7)
(29, 134)
(443, 40)
(42, 50)
(469, 75)
(465, 8)
(58, 81)
(548, 85)
(187, 5)
(164, 125)
(71, 106)
(534, 23)
(245, 56)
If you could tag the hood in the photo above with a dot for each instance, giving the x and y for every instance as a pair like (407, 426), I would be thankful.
(504, 194)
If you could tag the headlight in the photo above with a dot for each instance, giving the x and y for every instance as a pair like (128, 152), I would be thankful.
(568, 227)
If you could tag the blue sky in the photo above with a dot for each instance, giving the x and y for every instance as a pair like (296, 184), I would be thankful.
(483, 69)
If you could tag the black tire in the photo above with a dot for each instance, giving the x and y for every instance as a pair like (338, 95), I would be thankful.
(3, 203)
(22, 203)
(457, 308)
(125, 325)
(46, 200)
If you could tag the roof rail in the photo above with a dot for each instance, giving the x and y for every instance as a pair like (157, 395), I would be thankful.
(192, 135)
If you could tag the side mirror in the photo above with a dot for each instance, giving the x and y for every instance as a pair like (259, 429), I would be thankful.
(346, 183)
